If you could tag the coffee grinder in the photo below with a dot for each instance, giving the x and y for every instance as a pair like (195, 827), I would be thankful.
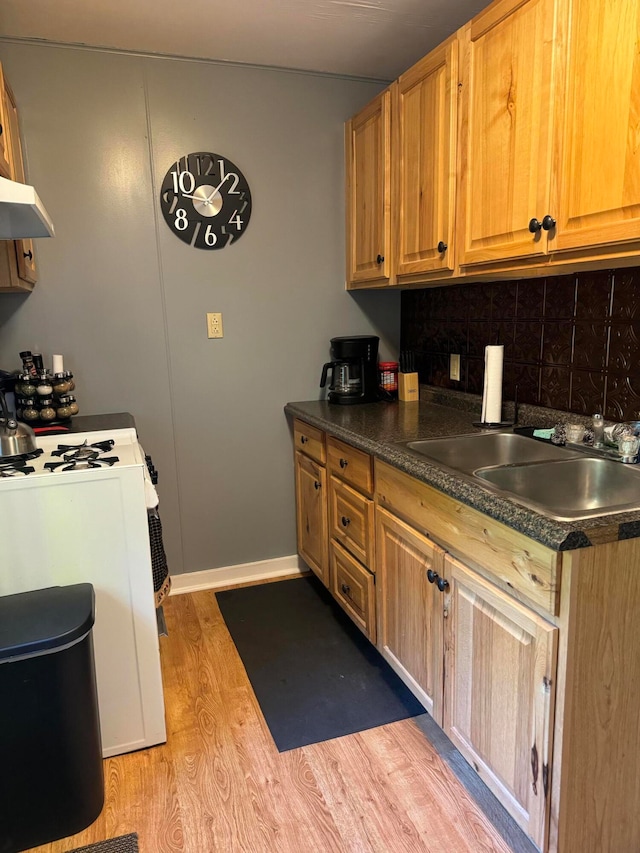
(354, 370)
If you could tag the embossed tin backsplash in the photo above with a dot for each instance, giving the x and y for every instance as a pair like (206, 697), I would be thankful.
(570, 342)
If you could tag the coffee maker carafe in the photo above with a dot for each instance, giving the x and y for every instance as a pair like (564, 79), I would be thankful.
(354, 370)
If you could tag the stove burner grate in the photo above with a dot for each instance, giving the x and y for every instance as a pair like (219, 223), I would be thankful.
(71, 464)
(18, 468)
(84, 450)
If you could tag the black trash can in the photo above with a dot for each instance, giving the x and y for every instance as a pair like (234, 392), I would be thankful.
(51, 782)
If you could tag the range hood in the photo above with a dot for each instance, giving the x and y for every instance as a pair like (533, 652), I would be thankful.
(22, 214)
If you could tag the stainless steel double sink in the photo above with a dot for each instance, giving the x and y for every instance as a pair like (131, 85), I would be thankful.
(563, 483)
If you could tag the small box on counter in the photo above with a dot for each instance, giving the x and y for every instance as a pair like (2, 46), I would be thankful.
(408, 388)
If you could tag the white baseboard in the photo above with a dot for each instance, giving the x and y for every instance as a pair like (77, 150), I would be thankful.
(280, 567)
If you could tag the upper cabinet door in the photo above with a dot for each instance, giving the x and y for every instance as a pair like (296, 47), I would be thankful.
(5, 133)
(507, 117)
(600, 138)
(424, 143)
(368, 141)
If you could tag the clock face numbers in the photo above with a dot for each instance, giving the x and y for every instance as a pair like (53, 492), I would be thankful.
(206, 201)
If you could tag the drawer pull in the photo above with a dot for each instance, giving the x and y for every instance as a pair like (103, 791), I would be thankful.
(443, 584)
(344, 463)
(432, 576)
(317, 485)
(346, 588)
(303, 439)
(345, 521)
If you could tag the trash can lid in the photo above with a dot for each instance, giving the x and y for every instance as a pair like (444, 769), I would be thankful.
(43, 620)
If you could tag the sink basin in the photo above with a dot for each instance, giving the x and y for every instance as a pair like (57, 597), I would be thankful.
(467, 453)
(570, 489)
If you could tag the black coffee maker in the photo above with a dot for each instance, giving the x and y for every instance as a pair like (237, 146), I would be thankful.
(354, 370)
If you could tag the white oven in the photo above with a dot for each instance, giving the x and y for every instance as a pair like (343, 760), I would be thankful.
(65, 521)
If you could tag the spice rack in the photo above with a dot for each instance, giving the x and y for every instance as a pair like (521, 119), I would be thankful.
(46, 398)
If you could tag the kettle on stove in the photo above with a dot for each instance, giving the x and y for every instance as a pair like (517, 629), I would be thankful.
(15, 438)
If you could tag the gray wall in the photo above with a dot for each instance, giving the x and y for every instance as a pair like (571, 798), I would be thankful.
(125, 301)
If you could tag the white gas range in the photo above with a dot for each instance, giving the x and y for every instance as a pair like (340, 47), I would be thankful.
(76, 511)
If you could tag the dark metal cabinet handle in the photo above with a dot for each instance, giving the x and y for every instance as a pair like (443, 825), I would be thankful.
(303, 439)
(443, 584)
(534, 225)
(28, 254)
(344, 463)
(548, 223)
(442, 247)
(317, 485)
(432, 576)
(345, 521)
(380, 259)
(345, 588)
(0, 130)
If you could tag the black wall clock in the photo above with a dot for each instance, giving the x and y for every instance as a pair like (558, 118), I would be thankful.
(205, 200)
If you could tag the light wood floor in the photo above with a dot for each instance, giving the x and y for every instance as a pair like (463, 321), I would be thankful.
(219, 784)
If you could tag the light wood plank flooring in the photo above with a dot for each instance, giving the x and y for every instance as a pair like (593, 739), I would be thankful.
(219, 784)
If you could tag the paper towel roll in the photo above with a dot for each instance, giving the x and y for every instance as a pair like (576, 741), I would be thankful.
(492, 395)
(58, 364)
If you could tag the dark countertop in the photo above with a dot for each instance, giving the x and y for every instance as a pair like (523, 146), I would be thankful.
(378, 427)
(92, 423)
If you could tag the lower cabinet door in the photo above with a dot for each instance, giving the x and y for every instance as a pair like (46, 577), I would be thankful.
(500, 665)
(410, 608)
(353, 587)
(311, 515)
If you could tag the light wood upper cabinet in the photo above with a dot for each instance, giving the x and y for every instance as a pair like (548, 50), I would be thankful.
(17, 257)
(599, 130)
(424, 129)
(368, 169)
(500, 674)
(508, 65)
(5, 134)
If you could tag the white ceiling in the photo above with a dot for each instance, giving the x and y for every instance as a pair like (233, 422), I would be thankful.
(359, 38)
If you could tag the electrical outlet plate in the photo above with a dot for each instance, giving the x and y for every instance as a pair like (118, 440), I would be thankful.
(214, 326)
(454, 367)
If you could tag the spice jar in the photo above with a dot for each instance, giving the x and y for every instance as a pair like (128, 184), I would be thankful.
(73, 406)
(69, 377)
(27, 363)
(30, 413)
(63, 411)
(47, 412)
(27, 387)
(44, 387)
(388, 372)
(60, 384)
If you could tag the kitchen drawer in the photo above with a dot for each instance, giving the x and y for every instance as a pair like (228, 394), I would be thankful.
(309, 440)
(523, 566)
(351, 520)
(350, 464)
(353, 587)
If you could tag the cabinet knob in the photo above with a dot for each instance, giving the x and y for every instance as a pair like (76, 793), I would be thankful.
(28, 254)
(344, 463)
(316, 485)
(432, 576)
(380, 259)
(345, 521)
(345, 588)
(442, 247)
(534, 225)
(548, 223)
(303, 439)
(443, 584)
